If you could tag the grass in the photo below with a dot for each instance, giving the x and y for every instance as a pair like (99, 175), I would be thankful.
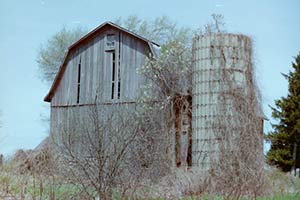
(275, 197)
(283, 187)
(282, 197)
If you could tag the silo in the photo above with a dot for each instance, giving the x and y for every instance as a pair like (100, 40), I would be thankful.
(220, 65)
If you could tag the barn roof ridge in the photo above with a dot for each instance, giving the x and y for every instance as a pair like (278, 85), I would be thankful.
(113, 25)
(62, 67)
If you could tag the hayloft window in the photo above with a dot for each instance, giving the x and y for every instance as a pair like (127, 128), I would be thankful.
(113, 74)
(114, 53)
(110, 41)
(78, 80)
(119, 68)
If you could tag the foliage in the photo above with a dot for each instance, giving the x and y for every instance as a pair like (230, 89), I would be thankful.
(51, 54)
(169, 77)
(285, 138)
(171, 72)
(162, 30)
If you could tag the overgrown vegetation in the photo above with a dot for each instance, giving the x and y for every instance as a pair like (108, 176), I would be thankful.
(32, 175)
(237, 166)
(25, 186)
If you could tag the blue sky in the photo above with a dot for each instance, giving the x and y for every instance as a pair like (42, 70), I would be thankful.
(25, 25)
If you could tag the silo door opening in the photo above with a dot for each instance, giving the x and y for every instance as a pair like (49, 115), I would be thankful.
(183, 127)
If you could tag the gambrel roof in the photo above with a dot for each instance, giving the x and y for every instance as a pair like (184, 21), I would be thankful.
(152, 46)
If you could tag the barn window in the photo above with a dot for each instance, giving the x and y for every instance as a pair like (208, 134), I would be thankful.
(119, 68)
(110, 41)
(113, 74)
(114, 53)
(78, 80)
(119, 87)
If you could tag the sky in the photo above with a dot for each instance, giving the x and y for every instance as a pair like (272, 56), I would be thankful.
(25, 25)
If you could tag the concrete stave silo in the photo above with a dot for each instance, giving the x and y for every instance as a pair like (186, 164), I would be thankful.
(220, 64)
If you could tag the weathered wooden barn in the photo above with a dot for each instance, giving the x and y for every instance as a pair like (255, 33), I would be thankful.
(101, 68)
(104, 60)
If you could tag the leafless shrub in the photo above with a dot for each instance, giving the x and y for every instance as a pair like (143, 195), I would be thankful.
(110, 147)
(169, 87)
(29, 173)
(37, 161)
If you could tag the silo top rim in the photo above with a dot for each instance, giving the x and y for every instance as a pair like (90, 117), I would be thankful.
(196, 37)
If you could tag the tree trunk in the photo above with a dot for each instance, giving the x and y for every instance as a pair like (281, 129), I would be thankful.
(294, 158)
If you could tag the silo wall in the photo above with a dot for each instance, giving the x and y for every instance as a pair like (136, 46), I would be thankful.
(213, 55)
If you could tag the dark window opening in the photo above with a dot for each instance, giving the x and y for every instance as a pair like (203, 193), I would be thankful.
(190, 150)
(112, 90)
(110, 40)
(113, 74)
(119, 89)
(78, 81)
(119, 68)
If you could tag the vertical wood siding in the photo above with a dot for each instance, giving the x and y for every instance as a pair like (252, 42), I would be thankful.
(96, 71)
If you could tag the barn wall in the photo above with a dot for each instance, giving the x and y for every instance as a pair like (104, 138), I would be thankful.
(133, 55)
(96, 71)
(64, 119)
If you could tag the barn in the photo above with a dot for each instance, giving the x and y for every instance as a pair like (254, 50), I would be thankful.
(105, 60)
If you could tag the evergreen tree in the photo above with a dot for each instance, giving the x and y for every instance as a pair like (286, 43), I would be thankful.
(285, 138)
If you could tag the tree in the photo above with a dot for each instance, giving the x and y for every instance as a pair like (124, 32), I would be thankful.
(285, 138)
(162, 30)
(51, 54)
